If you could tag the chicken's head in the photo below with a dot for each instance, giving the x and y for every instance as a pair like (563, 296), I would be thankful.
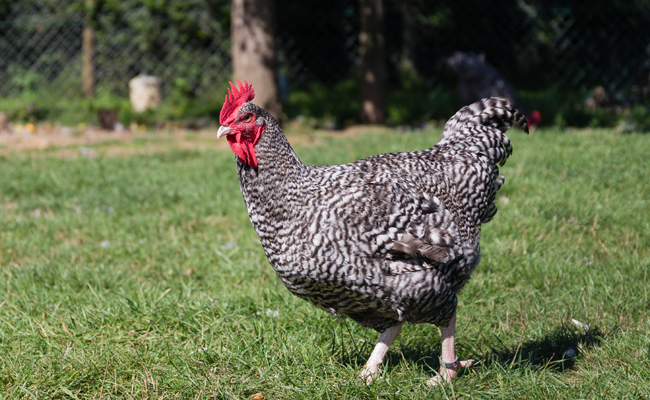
(240, 122)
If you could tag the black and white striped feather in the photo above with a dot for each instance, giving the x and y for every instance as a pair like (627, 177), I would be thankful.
(389, 238)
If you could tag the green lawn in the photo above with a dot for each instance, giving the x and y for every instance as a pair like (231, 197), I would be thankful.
(140, 277)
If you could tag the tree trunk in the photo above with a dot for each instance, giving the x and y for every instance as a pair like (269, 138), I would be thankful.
(408, 73)
(253, 51)
(373, 72)
(88, 52)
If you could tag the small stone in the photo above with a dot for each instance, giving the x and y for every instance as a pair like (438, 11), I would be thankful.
(579, 324)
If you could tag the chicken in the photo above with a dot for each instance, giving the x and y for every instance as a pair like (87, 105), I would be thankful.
(389, 239)
(477, 79)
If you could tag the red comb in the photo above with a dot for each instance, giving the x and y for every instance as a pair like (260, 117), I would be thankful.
(234, 99)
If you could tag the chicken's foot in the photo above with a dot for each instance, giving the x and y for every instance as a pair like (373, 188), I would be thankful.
(449, 363)
(370, 370)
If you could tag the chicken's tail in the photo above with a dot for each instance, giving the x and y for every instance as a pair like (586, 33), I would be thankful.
(480, 128)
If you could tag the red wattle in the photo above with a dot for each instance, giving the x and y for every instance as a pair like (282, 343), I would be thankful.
(244, 148)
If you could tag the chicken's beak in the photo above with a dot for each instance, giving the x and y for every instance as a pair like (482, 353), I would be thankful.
(223, 131)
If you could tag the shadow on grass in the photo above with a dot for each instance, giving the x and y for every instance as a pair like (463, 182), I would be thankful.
(557, 351)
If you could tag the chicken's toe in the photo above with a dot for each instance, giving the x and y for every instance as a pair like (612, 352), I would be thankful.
(369, 374)
(446, 375)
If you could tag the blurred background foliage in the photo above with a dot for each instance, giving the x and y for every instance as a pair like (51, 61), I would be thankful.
(554, 53)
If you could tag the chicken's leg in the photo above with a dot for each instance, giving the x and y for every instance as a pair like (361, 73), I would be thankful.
(449, 364)
(369, 371)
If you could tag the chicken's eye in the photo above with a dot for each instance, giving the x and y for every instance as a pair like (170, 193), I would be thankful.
(247, 118)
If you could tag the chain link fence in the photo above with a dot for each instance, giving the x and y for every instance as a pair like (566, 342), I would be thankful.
(41, 45)
(537, 45)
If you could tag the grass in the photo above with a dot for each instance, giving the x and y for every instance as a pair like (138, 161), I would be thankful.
(140, 277)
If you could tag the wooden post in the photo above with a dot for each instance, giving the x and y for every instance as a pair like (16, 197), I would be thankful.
(88, 51)
(373, 70)
(253, 51)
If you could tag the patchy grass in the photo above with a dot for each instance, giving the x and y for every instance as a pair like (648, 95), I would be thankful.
(139, 276)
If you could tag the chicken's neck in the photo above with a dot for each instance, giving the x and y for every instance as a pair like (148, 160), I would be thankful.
(278, 168)
(270, 189)
(274, 153)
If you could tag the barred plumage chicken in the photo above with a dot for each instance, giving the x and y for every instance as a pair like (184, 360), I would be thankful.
(389, 239)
